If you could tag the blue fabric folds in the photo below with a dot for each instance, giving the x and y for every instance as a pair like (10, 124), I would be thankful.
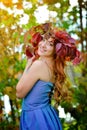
(37, 113)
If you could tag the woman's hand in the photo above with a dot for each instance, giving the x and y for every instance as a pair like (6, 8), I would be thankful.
(29, 62)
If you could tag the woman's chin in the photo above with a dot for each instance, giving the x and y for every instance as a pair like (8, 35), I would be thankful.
(40, 53)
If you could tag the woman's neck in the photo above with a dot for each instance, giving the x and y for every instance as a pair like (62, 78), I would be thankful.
(50, 64)
(49, 61)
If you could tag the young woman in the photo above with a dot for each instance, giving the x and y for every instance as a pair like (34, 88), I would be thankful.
(43, 76)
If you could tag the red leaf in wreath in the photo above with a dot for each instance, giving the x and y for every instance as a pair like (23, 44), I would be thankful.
(29, 51)
(58, 47)
(36, 38)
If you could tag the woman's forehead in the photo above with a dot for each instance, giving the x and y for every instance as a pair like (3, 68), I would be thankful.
(47, 37)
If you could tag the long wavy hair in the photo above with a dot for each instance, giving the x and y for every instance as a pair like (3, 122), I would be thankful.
(61, 88)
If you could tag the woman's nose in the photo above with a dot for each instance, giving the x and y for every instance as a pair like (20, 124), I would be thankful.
(44, 44)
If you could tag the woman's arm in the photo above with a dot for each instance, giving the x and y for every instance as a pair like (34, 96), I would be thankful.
(28, 79)
(29, 63)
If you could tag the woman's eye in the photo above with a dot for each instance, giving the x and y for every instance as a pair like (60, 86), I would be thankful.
(43, 39)
(51, 44)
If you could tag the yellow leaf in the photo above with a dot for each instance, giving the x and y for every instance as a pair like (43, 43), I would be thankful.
(50, 1)
(7, 3)
(11, 92)
(10, 71)
(33, 1)
(19, 6)
(1, 103)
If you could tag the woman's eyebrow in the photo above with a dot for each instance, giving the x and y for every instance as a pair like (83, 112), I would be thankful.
(50, 41)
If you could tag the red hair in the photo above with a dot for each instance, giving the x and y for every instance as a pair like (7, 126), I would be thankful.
(61, 91)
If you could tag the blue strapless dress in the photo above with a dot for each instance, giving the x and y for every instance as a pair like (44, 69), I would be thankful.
(37, 113)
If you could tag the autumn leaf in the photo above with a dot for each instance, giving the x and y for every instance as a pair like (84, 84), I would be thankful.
(29, 51)
(50, 1)
(7, 3)
(11, 92)
(34, 1)
(19, 5)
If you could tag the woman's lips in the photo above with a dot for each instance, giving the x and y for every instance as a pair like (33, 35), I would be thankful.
(42, 50)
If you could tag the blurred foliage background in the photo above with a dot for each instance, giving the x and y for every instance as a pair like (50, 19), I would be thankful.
(16, 17)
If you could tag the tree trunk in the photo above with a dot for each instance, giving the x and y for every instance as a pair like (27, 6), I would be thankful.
(81, 25)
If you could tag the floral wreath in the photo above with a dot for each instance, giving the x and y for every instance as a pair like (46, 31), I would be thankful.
(65, 44)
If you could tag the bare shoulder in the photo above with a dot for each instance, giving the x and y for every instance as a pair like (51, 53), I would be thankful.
(37, 64)
(36, 68)
(41, 70)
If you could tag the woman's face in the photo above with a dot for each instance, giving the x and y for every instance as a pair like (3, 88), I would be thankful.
(46, 48)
